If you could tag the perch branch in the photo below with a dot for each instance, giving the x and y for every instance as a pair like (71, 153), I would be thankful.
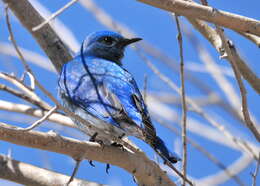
(146, 171)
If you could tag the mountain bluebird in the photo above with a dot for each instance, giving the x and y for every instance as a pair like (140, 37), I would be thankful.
(95, 86)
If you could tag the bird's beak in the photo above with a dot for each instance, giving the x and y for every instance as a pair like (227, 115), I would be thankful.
(130, 41)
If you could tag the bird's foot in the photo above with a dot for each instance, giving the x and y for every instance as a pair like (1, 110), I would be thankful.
(120, 137)
(101, 143)
(91, 163)
(115, 144)
(107, 168)
(93, 137)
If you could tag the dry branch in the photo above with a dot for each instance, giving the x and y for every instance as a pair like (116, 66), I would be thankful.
(24, 173)
(28, 110)
(183, 102)
(195, 10)
(146, 171)
(212, 36)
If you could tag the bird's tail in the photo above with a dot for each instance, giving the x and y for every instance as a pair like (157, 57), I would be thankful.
(161, 149)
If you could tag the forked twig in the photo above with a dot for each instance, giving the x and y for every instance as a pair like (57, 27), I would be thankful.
(54, 15)
(38, 122)
(75, 170)
(229, 48)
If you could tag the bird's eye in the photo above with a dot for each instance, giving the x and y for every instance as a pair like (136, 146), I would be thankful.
(108, 41)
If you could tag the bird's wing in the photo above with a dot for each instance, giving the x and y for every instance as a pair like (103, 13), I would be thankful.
(124, 89)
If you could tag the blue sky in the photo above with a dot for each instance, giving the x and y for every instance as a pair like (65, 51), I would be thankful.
(157, 27)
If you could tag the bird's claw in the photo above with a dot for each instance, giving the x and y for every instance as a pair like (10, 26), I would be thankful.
(115, 144)
(91, 163)
(107, 168)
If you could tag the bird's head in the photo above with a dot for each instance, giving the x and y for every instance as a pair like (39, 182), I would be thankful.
(107, 45)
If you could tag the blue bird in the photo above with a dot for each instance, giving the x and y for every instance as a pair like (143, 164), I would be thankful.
(95, 86)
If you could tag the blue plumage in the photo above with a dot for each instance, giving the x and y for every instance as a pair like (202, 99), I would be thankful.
(95, 86)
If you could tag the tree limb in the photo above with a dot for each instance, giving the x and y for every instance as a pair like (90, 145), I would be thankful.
(146, 171)
(219, 17)
(212, 36)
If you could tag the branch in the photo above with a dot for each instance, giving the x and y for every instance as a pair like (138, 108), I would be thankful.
(34, 98)
(212, 36)
(195, 10)
(230, 50)
(54, 15)
(243, 145)
(146, 171)
(28, 110)
(21, 95)
(183, 102)
(24, 173)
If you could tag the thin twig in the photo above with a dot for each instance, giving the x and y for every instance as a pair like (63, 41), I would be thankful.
(239, 142)
(32, 97)
(21, 95)
(254, 175)
(38, 113)
(32, 80)
(212, 36)
(75, 170)
(228, 48)
(38, 122)
(145, 88)
(200, 148)
(179, 173)
(54, 15)
(255, 39)
(183, 103)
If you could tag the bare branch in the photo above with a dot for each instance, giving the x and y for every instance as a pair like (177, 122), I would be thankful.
(212, 36)
(200, 148)
(21, 95)
(24, 173)
(28, 110)
(195, 10)
(255, 39)
(240, 143)
(146, 171)
(228, 48)
(220, 177)
(183, 102)
(32, 97)
(54, 15)
(75, 170)
(38, 122)
(254, 175)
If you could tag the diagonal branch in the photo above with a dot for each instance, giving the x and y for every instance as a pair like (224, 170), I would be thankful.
(230, 51)
(212, 36)
(146, 171)
(195, 10)
(183, 101)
